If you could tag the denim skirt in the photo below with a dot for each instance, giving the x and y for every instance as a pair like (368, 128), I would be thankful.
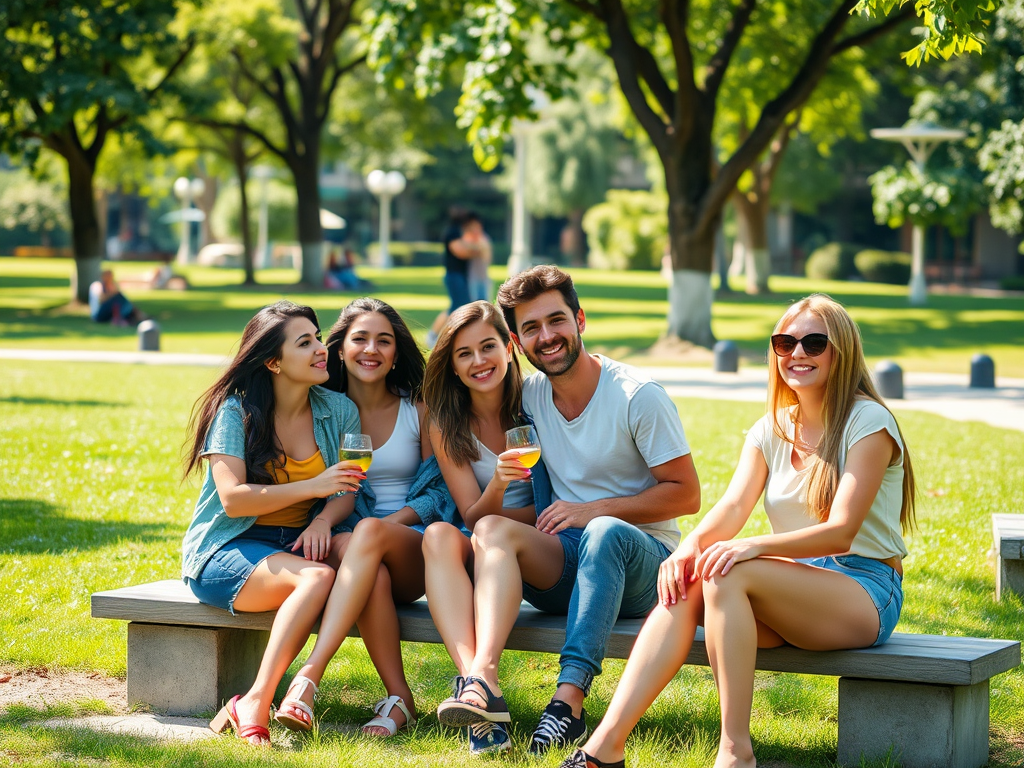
(225, 573)
(882, 583)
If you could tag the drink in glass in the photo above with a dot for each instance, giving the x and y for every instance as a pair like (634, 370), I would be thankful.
(524, 440)
(356, 448)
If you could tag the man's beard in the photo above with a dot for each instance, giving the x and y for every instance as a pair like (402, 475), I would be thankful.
(573, 346)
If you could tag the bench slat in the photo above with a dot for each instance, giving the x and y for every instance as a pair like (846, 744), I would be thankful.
(907, 657)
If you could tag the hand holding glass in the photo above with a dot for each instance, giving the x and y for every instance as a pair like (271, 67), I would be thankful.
(524, 440)
(356, 448)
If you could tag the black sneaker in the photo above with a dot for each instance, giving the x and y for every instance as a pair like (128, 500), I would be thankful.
(558, 728)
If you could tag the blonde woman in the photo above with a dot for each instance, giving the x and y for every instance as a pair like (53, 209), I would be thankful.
(839, 493)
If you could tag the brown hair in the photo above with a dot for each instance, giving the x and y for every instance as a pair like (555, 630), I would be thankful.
(406, 379)
(848, 381)
(528, 285)
(248, 377)
(448, 399)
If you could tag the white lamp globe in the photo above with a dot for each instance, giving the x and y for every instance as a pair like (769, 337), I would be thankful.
(376, 181)
(394, 183)
(181, 186)
(197, 187)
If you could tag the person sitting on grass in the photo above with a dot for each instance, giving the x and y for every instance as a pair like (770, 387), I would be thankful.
(838, 489)
(108, 305)
(620, 473)
(260, 535)
(373, 359)
(473, 390)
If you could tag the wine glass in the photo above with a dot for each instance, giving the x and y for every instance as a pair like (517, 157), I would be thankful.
(524, 440)
(356, 448)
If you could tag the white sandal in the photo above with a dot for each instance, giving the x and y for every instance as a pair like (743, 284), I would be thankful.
(383, 709)
(295, 702)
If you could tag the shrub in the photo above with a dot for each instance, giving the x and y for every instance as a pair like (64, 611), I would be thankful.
(627, 231)
(1012, 283)
(890, 267)
(832, 262)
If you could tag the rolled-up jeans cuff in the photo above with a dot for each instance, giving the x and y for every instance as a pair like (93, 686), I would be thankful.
(581, 678)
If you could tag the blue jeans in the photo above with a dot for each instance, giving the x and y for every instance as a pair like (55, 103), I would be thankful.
(480, 290)
(457, 284)
(610, 572)
(116, 303)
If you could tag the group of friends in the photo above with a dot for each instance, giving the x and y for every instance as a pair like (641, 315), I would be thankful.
(588, 532)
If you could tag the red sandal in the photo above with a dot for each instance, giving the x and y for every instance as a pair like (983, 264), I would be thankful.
(228, 718)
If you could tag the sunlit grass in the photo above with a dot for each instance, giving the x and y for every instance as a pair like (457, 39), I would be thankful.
(626, 313)
(90, 499)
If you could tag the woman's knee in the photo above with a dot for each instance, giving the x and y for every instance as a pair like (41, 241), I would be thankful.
(317, 577)
(441, 540)
(494, 529)
(369, 532)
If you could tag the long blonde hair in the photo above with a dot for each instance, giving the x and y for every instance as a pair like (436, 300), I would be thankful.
(848, 381)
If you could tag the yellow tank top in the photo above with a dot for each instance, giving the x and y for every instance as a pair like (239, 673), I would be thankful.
(295, 515)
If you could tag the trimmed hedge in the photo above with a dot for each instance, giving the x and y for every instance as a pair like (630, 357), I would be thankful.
(628, 231)
(892, 267)
(833, 261)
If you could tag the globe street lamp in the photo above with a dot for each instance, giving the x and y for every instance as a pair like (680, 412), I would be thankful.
(262, 256)
(920, 141)
(385, 185)
(187, 190)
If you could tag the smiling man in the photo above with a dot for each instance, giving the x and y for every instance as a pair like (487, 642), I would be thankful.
(620, 471)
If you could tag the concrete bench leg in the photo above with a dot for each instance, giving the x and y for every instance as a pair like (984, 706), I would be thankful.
(189, 670)
(924, 726)
(1009, 577)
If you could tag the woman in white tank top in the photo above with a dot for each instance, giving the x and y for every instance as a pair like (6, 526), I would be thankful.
(473, 388)
(373, 358)
(839, 493)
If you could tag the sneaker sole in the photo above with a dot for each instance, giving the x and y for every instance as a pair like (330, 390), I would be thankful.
(458, 715)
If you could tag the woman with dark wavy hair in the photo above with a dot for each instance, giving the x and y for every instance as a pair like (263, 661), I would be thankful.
(260, 536)
(473, 388)
(373, 359)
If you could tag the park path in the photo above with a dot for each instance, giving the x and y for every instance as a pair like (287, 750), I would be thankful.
(944, 394)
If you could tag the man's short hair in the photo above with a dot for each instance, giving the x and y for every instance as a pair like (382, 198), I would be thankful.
(527, 286)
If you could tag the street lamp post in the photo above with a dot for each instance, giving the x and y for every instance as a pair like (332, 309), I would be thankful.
(920, 141)
(186, 190)
(520, 255)
(262, 255)
(385, 185)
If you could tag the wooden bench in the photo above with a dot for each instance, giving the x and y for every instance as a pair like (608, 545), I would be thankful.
(1008, 535)
(925, 697)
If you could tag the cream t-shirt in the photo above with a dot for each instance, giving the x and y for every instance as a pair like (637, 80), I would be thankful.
(785, 495)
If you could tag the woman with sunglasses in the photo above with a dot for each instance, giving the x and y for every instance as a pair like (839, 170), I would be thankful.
(839, 494)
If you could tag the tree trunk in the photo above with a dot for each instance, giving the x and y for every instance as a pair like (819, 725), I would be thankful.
(241, 164)
(692, 246)
(306, 170)
(753, 220)
(85, 231)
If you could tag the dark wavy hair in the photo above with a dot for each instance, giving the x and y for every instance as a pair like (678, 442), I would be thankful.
(248, 377)
(406, 380)
(448, 399)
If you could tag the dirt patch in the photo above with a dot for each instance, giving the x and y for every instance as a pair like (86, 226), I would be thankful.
(40, 687)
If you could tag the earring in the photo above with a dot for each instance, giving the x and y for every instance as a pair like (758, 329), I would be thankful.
(393, 366)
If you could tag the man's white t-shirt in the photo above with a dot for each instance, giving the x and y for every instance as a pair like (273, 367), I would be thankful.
(629, 426)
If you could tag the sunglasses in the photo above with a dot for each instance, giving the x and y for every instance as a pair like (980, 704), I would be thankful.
(813, 343)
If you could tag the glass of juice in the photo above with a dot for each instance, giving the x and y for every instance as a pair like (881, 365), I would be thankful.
(356, 448)
(524, 440)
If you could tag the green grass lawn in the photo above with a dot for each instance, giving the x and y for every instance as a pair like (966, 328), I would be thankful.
(626, 313)
(90, 499)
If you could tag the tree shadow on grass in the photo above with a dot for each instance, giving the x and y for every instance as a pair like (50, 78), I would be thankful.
(17, 400)
(33, 527)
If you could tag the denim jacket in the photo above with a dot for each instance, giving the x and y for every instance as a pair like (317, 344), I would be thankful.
(428, 496)
(333, 416)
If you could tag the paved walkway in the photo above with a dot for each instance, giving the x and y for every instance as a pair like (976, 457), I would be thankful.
(940, 393)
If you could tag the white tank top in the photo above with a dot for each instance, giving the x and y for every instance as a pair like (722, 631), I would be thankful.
(519, 494)
(395, 463)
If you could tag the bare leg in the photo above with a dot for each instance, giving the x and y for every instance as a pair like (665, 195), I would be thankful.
(373, 543)
(378, 626)
(297, 589)
(505, 554)
(448, 557)
(661, 649)
(808, 607)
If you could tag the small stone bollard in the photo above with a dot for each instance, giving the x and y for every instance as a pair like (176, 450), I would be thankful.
(983, 372)
(727, 357)
(149, 336)
(889, 378)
